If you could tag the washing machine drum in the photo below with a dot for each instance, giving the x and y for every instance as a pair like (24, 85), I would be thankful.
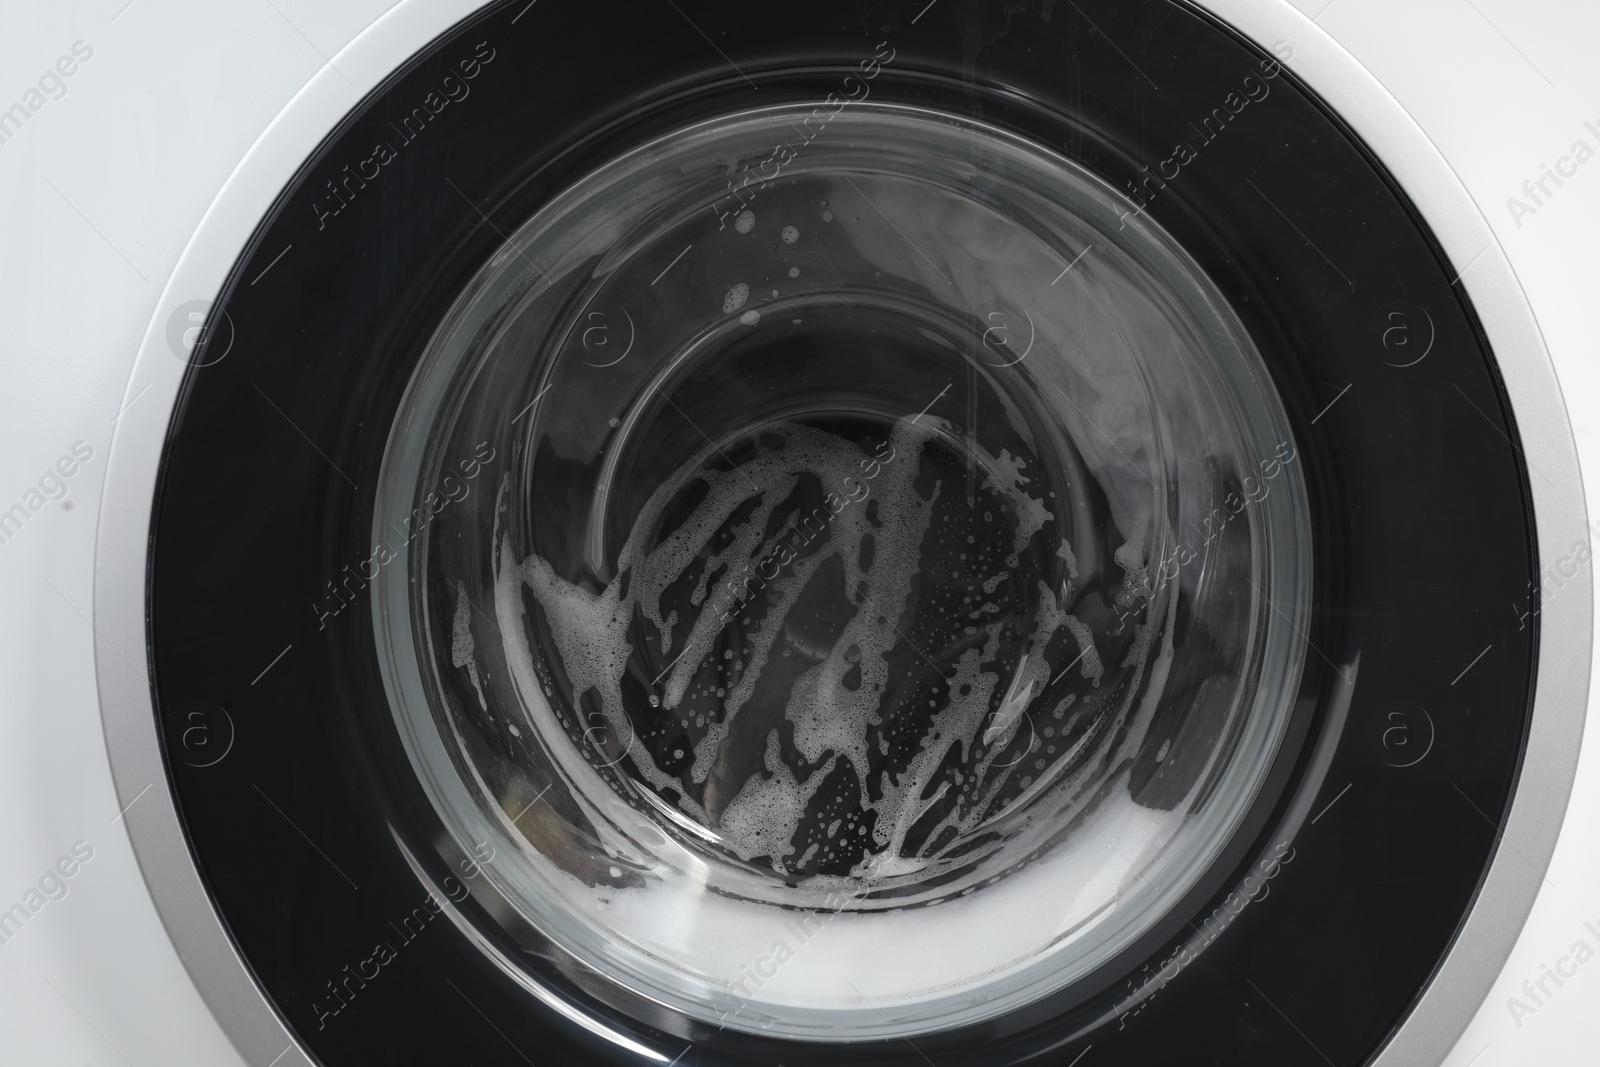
(801, 536)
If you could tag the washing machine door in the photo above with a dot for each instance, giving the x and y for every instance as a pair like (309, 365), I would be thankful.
(813, 535)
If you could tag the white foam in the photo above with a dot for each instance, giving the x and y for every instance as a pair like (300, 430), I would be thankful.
(761, 819)
(834, 705)
(462, 648)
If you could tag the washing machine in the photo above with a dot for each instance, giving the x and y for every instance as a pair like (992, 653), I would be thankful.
(953, 532)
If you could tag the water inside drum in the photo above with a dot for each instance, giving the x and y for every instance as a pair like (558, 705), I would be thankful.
(867, 552)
